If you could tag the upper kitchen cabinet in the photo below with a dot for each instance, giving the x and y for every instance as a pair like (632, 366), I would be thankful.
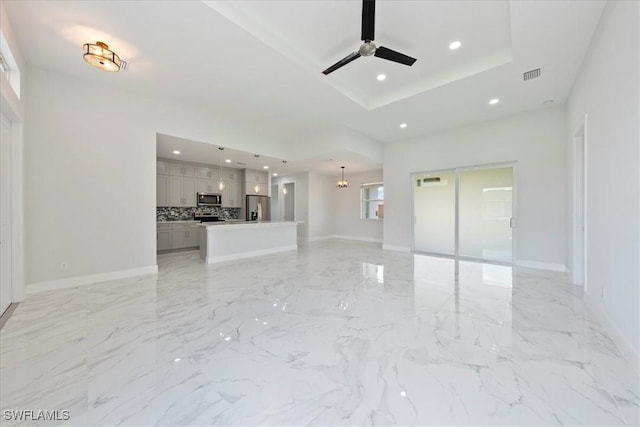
(207, 172)
(179, 169)
(182, 191)
(231, 174)
(207, 186)
(162, 167)
(231, 195)
(253, 178)
(162, 190)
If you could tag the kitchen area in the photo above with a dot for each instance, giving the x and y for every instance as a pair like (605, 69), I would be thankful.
(207, 205)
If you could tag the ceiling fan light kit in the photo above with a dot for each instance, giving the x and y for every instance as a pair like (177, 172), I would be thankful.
(368, 48)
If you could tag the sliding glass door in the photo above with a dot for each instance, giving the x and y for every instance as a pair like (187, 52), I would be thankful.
(466, 212)
(434, 212)
(485, 203)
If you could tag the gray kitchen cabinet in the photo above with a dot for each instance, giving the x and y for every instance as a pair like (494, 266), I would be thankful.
(229, 175)
(179, 169)
(210, 173)
(182, 191)
(163, 240)
(207, 186)
(163, 237)
(184, 235)
(162, 167)
(253, 178)
(231, 195)
(162, 190)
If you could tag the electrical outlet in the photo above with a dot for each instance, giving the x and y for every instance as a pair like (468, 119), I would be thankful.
(64, 265)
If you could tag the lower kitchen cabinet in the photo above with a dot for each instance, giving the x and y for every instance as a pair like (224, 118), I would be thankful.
(177, 236)
(163, 240)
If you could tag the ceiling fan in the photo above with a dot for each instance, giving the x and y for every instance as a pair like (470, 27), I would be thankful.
(368, 48)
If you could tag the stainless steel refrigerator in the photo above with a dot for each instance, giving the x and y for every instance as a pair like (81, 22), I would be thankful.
(258, 208)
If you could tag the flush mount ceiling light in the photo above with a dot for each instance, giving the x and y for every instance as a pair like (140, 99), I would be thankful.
(381, 77)
(275, 174)
(494, 101)
(176, 152)
(265, 167)
(455, 45)
(227, 161)
(100, 56)
(403, 125)
(343, 183)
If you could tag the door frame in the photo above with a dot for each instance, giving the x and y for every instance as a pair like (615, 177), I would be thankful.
(457, 170)
(579, 208)
(17, 203)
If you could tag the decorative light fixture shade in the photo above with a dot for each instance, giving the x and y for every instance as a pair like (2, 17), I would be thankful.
(343, 183)
(257, 187)
(100, 56)
(221, 183)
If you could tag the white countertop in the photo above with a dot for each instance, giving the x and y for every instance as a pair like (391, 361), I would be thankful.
(225, 224)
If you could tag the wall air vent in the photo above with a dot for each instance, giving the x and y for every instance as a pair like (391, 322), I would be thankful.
(532, 74)
(436, 179)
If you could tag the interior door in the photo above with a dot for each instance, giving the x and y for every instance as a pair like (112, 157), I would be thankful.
(5, 213)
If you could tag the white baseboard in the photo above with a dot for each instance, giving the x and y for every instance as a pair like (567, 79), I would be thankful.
(623, 344)
(396, 248)
(71, 282)
(358, 238)
(241, 255)
(317, 238)
(541, 265)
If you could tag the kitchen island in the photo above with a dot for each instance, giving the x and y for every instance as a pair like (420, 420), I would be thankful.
(226, 241)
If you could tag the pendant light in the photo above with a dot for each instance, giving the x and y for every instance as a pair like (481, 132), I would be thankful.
(257, 187)
(220, 181)
(343, 183)
(100, 56)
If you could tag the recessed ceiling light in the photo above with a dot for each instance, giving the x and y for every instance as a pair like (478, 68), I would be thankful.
(275, 174)
(265, 167)
(176, 152)
(455, 45)
(403, 125)
(227, 161)
(381, 77)
(494, 101)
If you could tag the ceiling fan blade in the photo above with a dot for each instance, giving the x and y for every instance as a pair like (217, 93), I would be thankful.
(344, 61)
(392, 55)
(368, 19)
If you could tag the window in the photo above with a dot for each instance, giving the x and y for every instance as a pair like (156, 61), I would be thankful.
(372, 201)
(4, 67)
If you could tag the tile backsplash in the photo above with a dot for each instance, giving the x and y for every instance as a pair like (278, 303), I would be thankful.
(181, 214)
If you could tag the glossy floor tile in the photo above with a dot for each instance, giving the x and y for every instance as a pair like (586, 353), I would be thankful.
(338, 333)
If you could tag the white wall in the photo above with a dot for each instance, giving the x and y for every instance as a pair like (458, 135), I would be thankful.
(607, 91)
(535, 140)
(347, 208)
(321, 206)
(90, 173)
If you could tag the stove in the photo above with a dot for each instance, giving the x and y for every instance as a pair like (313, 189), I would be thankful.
(207, 218)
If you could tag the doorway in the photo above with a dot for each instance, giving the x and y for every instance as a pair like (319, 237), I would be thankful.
(465, 212)
(289, 198)
(579, 207)
(6, 294)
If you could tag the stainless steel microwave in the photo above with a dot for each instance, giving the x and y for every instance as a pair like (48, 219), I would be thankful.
(209, 199)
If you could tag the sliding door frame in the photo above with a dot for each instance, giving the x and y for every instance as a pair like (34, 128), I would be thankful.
(456, 171)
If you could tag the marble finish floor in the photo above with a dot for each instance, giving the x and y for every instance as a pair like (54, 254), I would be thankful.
(338, 333)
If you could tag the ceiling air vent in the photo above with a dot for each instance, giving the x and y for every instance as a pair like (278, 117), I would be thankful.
(532, 74)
